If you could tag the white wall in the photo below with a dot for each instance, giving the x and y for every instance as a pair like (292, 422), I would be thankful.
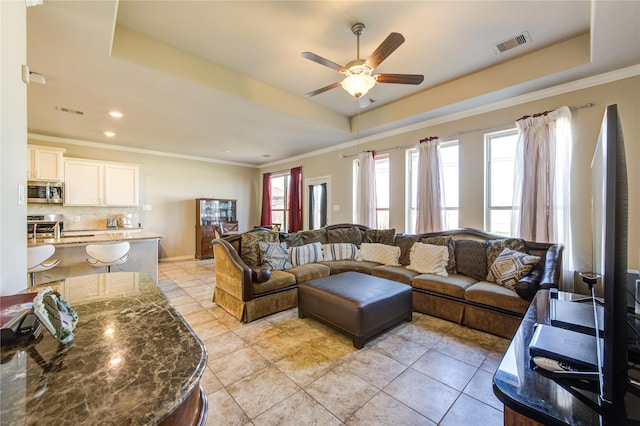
(13, 146)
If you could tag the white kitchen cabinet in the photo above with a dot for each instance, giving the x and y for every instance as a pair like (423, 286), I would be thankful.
(100, 183)
(45, 163)
(120, 184)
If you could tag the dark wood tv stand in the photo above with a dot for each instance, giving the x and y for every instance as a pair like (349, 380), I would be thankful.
(534, 398)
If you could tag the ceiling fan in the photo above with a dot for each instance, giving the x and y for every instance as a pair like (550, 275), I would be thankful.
(359, 80)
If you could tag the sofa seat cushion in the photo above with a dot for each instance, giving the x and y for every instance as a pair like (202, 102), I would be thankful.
(395, 273)
(453, 285)
(309, 271)
(497, 296)
(278, 281)
(340, 266)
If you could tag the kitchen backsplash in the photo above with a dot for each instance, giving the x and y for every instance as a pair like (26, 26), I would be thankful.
(87, 218)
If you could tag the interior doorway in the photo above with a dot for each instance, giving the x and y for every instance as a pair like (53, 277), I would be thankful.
(318, 200)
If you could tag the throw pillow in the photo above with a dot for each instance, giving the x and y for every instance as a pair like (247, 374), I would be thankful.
(510, 266)
(383, 236)
(339, 251)
(448, 242)
(495, 247)
(429, 259)
(308, 253)
(405, 242)
(471, 259)
(345, 235)
(380, 253)
(275, 256)
(250, 250)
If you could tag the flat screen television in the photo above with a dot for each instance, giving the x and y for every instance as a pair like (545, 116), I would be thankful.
(610, 226)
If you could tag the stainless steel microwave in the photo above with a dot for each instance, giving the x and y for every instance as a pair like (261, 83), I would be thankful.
(44, 192)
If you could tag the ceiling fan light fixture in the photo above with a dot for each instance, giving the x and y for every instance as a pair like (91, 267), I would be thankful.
(358, 84)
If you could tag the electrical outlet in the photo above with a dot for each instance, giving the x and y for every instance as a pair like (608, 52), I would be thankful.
(146, 207)
(336, 207)
(76, 219)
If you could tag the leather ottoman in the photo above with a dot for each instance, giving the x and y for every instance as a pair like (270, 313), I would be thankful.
(358, 305)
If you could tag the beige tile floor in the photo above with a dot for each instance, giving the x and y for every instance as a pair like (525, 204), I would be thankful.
(282, 370)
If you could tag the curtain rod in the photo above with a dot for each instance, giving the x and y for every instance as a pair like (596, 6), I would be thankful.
(463, 132)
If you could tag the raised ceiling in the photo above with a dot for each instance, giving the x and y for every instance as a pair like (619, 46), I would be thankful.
(224, 80)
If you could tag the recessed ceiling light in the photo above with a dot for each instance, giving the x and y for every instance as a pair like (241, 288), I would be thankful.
(225, 150)
(109, 134)
(116, 114)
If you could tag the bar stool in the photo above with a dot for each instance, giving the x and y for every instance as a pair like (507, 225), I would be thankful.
(107, 254)
(39, 259)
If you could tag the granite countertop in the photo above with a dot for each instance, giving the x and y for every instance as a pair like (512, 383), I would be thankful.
(94, 238)
(133, 359)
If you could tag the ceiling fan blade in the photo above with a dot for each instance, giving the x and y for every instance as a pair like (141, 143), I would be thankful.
(386, 48)
(324, 89)
(322, 61)
(400, 78)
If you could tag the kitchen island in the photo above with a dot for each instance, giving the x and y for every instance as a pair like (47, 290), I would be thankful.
(133, 361)
(70, 249)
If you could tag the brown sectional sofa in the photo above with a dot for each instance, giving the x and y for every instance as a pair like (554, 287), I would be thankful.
(464, 296)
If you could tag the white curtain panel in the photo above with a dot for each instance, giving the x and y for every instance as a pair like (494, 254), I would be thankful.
(429, 213)
(541, 195)
(366, 190)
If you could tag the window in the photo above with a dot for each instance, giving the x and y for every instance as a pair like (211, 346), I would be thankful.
(450, 177)
(501, 153)
(450, 183)
(382, 190)
(280, 199)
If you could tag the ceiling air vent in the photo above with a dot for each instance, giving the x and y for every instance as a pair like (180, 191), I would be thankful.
(512, 42)
(69, 110)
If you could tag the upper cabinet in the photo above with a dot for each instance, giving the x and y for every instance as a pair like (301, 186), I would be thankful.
(45, 163)
(99, 183)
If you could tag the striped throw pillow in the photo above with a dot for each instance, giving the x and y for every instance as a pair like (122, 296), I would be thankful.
(308, 253)
(339, 251)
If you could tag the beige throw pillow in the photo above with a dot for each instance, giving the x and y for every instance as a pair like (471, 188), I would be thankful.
(429, 259)
(380, 253)
(510, 266)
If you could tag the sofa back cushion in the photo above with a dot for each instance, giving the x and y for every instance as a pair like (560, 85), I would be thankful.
(382, 236)
(350, 235)
(471, 259)
(405, 242)
(301, 238)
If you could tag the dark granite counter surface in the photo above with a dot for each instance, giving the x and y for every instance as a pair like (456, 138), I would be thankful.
(133, 360)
